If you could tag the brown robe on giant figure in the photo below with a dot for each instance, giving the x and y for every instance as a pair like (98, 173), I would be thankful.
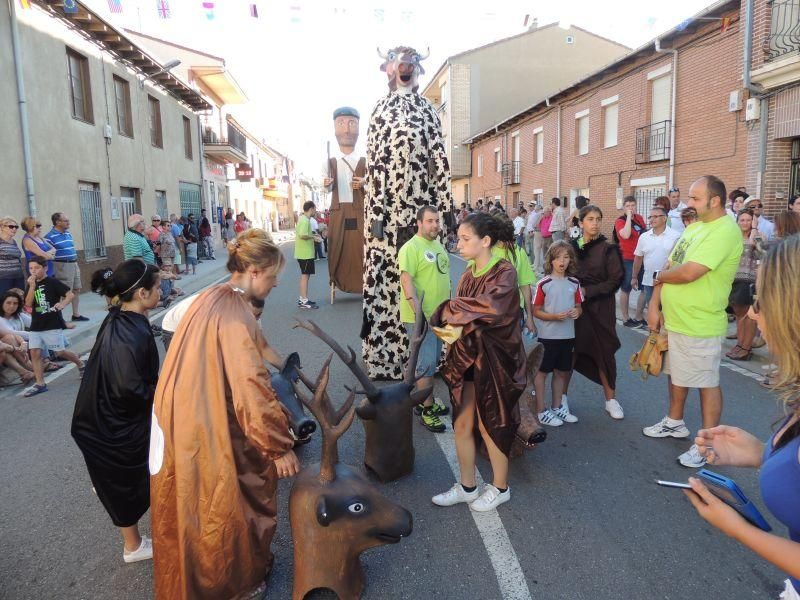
(487, 307)
(346, 233)
(213, 497)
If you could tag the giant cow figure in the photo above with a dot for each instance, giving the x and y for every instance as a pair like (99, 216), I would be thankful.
(406, 169)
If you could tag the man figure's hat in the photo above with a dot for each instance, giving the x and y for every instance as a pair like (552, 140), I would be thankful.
(346, 111)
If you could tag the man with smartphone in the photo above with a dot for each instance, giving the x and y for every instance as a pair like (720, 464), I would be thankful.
(693, 292)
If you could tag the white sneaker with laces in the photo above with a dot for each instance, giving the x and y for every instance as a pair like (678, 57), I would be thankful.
(549, 417)
(455, 495)
(490, 499)
(614, 409)
(143, 552)
(562, 412)
(692, 458)
(664, 429)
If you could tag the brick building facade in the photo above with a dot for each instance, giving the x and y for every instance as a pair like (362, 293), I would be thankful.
(659, 117)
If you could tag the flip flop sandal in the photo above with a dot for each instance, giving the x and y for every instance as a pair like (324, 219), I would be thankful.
(36, 389)
(53, 367)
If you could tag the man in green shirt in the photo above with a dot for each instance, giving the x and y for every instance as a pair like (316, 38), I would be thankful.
(425, 269)
(693, 293)
(304, 252)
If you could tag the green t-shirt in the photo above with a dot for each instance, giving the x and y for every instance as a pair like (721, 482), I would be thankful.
(429, 266)
(303, 249)
(525, 274)
(697, 309)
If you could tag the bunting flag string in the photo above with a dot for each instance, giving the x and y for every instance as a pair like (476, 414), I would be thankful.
(209, 8)
(164, 12)
(25, 4)
(115, 6)
(294, 14)
(254, 11)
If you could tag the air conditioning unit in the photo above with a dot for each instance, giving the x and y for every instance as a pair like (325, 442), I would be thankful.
(752, 111)
(735, 101)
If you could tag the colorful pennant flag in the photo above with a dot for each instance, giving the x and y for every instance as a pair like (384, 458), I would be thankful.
(726, 23)
(254, 11)
(70, 7)
(294, 12)
(209, 8)
(25, 4)
(115, 6)
(164, 12)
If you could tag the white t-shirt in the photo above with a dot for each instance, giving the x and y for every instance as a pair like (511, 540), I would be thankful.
(314, 225)
(675, 218)
(519, 225)
(767, 228)
(533, 220)
(655, 250)
(345, 168)
(176, 312)
(19, 325)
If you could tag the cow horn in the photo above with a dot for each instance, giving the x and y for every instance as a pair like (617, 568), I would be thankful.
(382, 54)
(426, 55)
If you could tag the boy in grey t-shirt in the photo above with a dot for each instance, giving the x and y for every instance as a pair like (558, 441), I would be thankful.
(556, 305)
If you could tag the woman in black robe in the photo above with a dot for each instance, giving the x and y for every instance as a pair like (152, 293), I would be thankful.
(600, 272)
(485, 366)
(111, 422)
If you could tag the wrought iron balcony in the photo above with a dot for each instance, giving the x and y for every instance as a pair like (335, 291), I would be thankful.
(784, 33)
(232, 149)
(511, 173)
(652, 142)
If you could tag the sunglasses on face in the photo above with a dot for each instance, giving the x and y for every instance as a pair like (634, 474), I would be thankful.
(38, 225)
(13, 226)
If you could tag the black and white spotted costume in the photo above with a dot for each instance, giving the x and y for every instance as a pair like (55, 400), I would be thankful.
(407, 168)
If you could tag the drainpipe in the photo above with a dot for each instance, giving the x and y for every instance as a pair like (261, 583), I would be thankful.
(23, 110)
(755, 91)
(558, 153)
(674, 53)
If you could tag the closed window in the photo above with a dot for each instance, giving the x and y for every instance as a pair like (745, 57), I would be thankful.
(480, 166)
(79, 87)
(498, 161)
(539, 147)
(122, 96)
(187, 137)
(154, 116)
(582, 135)
(610, 125)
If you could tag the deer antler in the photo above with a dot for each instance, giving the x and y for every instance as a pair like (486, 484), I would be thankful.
(320, 407)
(420, 325)
(347, 359)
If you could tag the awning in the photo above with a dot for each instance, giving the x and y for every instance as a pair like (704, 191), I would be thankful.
(275, 194)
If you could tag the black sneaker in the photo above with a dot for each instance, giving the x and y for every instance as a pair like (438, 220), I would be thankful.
(431, 421)
(438, 409)
(80, 318)
(308, 305)
(631, 323)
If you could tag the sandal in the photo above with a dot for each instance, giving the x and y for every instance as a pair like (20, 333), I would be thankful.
(744, 354)
(733, 350)
(52, 367)
(36, 389)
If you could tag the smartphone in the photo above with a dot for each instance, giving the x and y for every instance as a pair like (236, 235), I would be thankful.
(674, 484)
(655, 275)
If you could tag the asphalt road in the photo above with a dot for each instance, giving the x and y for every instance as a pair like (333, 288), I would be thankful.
(586, 519)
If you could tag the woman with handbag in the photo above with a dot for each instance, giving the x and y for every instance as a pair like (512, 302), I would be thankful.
(741, 297)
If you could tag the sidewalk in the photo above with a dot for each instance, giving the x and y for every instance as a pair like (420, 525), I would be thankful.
(93, 306)
(760, 357)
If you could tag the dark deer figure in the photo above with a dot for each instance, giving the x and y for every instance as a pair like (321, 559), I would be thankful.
(300, 425)
(336, 513)
(386, 411)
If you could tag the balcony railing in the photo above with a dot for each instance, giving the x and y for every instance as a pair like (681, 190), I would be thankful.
(234, 139)
(784, 33)
(515, 178)
(652, 142)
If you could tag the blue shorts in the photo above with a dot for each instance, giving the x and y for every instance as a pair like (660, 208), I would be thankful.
(429, 352)
(648, 292)
(626, 280)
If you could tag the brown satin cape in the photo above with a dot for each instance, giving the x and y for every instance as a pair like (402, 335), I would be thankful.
(346, 245)
(600, 272)
(487, 307)
(213, 502)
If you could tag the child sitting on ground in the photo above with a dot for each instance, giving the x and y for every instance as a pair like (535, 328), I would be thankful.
(47, 297)
(556, 305)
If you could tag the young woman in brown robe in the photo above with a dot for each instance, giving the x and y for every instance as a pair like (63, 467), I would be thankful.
(485, 366)
(600, 272)
(220, 440)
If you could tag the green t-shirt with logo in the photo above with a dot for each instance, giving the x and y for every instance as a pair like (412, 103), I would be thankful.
(697, 309)
(429, 266)
(303, 249)
(525, 274)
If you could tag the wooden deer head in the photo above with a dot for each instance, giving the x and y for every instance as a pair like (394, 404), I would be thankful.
(336, 513)
(385, 412)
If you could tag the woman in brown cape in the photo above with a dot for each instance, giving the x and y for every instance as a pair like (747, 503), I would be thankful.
(485, 366)
(600, 272)
(220, 440)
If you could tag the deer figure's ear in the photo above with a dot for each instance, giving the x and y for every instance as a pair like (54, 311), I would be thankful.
(323, 516)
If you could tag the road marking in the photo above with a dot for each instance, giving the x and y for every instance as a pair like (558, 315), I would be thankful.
(508, 571)
(55, 374)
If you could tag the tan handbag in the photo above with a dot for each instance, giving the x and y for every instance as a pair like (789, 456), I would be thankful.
(649, 359)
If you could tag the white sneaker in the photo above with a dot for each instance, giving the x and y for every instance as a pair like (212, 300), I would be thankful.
(664, 429)
(692, 458)
(614, 409)
(455, 495)
(143, 552)
(548, 417)
(490, 499)
(562, 412)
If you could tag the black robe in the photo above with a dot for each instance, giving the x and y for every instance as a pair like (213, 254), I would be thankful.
(111, 422)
